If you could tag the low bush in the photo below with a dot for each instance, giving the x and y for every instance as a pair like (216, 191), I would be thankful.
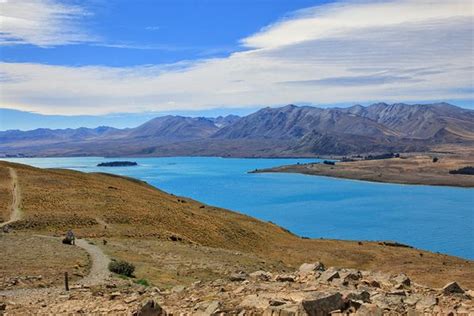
(143, 282)
(465, 170)
(121, 267)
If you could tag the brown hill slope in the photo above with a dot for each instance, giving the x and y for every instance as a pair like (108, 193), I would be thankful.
(55, 200)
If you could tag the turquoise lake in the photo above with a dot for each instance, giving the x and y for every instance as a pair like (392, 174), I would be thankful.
(439, 219)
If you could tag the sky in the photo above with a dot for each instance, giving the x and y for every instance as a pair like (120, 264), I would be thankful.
(99, 58)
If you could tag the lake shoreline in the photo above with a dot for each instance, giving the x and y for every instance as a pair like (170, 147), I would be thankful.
(417, 170)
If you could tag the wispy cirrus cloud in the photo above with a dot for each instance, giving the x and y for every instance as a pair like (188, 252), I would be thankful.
(344, 52)
(42, 23)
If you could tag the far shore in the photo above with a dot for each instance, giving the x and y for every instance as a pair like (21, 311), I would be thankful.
(415, 170)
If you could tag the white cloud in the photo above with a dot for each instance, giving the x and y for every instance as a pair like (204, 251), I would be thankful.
(41, 22)
(348, 52)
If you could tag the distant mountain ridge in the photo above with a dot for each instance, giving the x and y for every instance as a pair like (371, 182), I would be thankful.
(286, 131)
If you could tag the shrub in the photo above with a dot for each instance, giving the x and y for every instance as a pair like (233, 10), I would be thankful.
(435, 159)
(465, 170)
(122, 267)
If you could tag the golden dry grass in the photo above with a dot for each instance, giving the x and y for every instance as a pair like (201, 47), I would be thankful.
(56, 200)
(5, 194)
(24, 256)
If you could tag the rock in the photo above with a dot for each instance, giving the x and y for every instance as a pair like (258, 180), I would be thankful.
(131, 299)
(114, 295)
(401, 279)
(362, 296)
(452, 288)
(351, 275)
(284, 310)
(261, 275)
(178, 289)
(369, 310)
(285, 278)
(387, 301)
(238, 276)
(150, 308)
(322, 303)
(254, 301)
(426, 302)
(306, 268)
(207, 308)
(329, 275)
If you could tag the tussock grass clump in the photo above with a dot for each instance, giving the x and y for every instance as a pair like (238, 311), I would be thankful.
(143, 282)
(121, 267)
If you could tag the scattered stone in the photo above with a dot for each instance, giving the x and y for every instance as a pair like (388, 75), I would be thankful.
(255, 301)
(114, 295)
(311, 267)
(329, 275)
(322, 303)
(207, 308)
(362, 296)
(285, 278)
(452, 288)
(238, 276)
(150, 308)
(261, 275)
(426, 302)
(369, 310)
(178, 289)
(401, 279)
(284, 310)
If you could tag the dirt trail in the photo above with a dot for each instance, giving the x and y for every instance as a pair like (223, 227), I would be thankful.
(16, 214)
(100, 261)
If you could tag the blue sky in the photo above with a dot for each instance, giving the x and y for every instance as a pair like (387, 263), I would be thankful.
(97, 58)
(154, 32)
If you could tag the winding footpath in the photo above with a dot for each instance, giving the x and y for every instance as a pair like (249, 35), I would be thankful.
(99, 272)
(16, 213)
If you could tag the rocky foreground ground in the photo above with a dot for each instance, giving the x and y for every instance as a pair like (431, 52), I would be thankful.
(312, 290)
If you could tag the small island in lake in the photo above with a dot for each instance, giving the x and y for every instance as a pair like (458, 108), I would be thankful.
(117, 164)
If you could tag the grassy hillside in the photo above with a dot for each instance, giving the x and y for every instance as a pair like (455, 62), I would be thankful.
(133, 213)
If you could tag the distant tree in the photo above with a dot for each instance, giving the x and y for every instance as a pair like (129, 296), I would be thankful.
(435, 159)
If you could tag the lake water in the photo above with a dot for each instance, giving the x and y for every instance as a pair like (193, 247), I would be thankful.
(433, 218)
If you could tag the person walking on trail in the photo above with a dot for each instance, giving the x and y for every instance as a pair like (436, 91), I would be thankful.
(70, 238)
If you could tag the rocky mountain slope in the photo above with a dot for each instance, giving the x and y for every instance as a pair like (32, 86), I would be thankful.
(285, 131)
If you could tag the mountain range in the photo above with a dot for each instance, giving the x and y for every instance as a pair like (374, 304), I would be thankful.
(289, 131)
